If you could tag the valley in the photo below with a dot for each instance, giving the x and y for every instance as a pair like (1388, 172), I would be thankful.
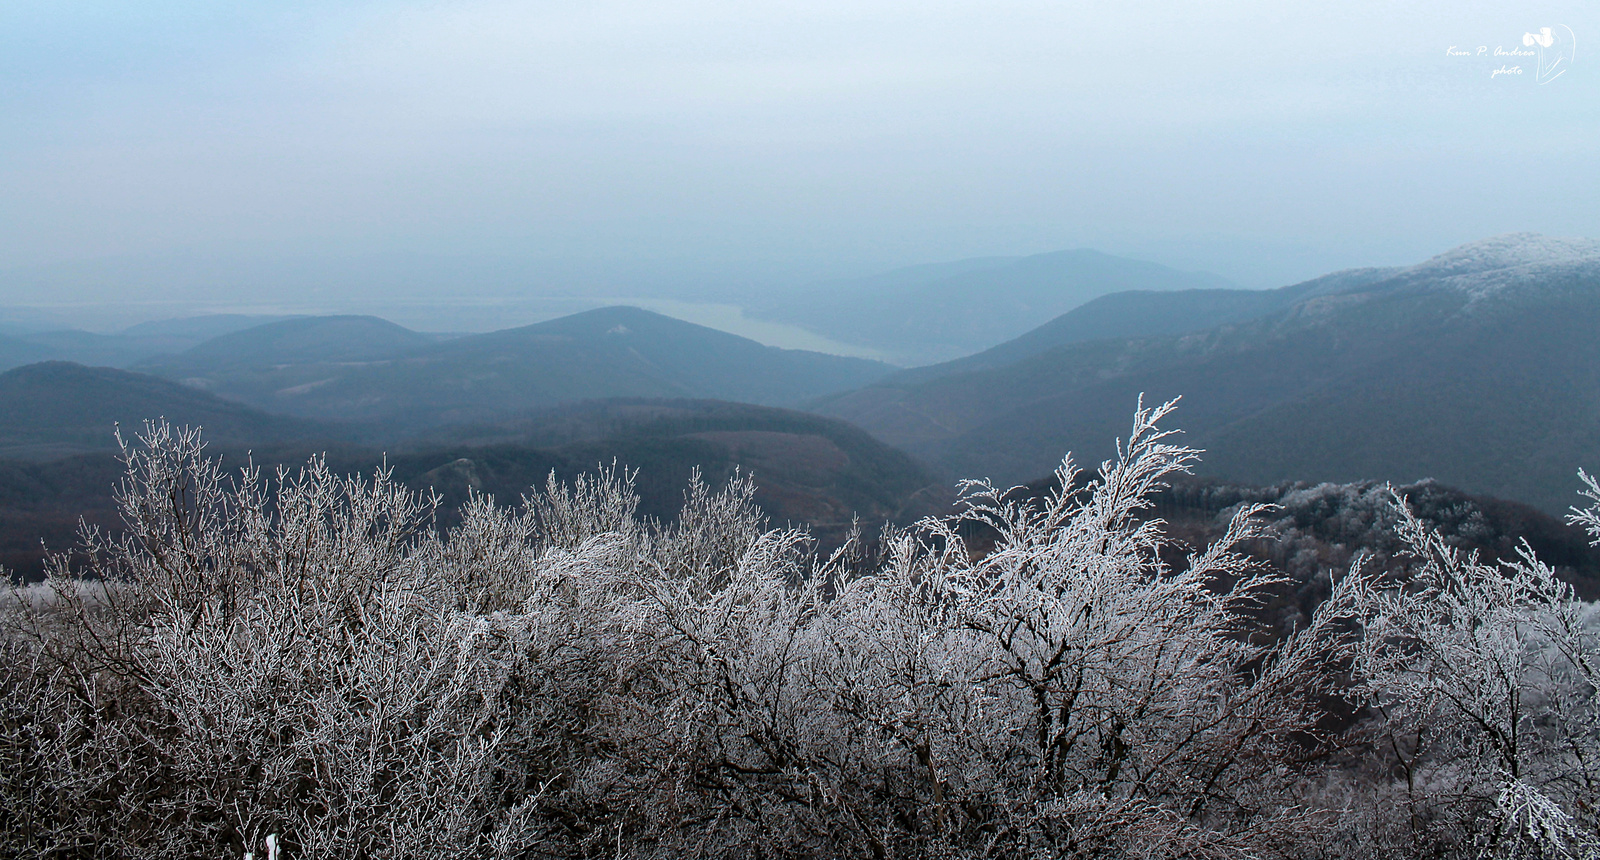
(1477, 368)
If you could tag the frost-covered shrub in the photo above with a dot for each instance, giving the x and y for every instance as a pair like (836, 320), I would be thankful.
(304, 655)
(1485, 678)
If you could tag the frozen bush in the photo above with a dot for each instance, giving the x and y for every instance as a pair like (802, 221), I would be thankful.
(1485, 678)
(305, 656)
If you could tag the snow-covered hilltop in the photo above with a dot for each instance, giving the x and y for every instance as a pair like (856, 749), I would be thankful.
(1488, 266)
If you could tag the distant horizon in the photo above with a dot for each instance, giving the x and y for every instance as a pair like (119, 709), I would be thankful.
(500, 306)
(295, 153)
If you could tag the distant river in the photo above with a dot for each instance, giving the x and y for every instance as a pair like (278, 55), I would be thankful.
(462, 314)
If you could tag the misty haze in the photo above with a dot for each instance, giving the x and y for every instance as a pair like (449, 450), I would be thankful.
(628, 430)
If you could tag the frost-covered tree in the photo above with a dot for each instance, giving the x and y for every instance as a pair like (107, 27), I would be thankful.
(306, 656)
(1485, 677)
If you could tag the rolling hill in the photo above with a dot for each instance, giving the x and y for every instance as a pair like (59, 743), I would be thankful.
(101, 350)
(1480, 368)
(134, 345)
(364, 370)
(807, 469)
(57, 408)
(1145, 313)
(200, 328)
(925, 314)
(16, 351)
(301, 340)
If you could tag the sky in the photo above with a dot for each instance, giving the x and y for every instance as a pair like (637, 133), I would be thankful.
(398, 154)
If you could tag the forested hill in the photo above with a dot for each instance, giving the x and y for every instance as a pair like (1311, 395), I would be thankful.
(365, 370)
(1480, 367)
(807, 469)
(1145, 313)
(331, 339)
(57, 408)
(136, 344)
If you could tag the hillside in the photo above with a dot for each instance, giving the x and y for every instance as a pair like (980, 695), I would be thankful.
(132, 346)
(254, 364)
(1144, 313)
(1319, 530)
(101, 350)
(926, 314)
(1479, 367)
(16, 351)
(299, 341)
(808, 469)
(58, 408)
(200, 328)
(318, 368)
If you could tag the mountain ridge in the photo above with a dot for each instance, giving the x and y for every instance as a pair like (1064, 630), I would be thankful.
(420, 382)
(58, 408)
(1284, 395)
(926, 314)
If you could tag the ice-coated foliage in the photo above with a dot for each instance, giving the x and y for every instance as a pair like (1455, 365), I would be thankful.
(1485, 676)
(304, 656)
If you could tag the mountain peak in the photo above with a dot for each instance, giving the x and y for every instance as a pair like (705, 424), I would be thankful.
(1509, 251)
(345, 337)
(1509, 266)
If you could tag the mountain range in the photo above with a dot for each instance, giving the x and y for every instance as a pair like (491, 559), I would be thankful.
(1479, 367)
(807, 468)
(27, 344)
(937, 312)
(368, 371)
(57, 408)
(488, 413)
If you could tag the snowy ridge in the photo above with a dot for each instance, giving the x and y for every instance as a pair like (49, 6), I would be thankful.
(1508, 251)
(1489, 266)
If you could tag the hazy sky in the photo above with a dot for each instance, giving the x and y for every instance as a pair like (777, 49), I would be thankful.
(255, 150)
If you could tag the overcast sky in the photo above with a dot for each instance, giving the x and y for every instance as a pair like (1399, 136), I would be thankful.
(154, 151)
